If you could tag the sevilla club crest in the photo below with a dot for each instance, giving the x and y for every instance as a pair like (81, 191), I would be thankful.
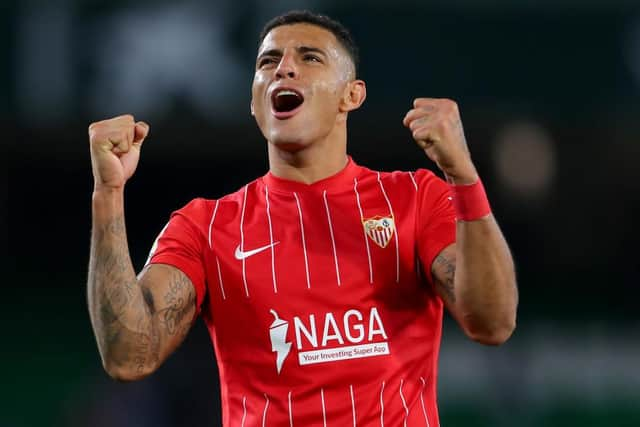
(379, 229)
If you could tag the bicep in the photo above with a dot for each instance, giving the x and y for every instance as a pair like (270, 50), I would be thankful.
(170, 299)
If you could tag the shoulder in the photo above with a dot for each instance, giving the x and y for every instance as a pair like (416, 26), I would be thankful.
(425, 176)
(196, 208)
(202, 209)
(428, 182)
(429, 187)
(417, 179)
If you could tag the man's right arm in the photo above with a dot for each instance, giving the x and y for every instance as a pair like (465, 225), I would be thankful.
(138, 321)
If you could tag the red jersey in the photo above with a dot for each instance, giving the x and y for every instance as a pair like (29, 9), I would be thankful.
(318, 297)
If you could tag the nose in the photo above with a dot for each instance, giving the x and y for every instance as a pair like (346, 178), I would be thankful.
(287, 67)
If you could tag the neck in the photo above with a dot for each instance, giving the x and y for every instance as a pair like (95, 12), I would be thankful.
(314, 162)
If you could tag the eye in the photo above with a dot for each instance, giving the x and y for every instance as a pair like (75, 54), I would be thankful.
(308, 57)
(265, 61)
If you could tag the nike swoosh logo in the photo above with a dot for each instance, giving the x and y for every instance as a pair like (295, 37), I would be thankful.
(240, 254)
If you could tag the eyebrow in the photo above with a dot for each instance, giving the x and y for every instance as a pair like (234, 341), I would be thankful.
(307, 49)
(299, 49)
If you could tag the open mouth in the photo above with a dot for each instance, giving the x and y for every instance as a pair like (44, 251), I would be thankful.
(286, 100)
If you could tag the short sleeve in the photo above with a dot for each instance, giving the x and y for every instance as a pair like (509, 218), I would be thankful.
(182, 242)
(436, 218)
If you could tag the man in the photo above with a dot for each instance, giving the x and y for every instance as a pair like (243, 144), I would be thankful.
(322, 283)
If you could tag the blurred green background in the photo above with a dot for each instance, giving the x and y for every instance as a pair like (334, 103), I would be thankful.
(549, 93)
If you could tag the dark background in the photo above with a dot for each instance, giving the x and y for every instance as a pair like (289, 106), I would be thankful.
(549, 95)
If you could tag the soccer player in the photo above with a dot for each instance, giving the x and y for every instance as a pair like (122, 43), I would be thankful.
(322, 283)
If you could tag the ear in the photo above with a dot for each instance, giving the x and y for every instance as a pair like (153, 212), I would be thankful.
(252, 112)
(354, 95)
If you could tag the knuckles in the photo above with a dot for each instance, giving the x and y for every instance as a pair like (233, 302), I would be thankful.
(442, 112)
(433, 119)
(114, 128)
(444, 105)
(449, 106)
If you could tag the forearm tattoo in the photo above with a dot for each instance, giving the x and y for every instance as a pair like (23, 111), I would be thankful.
(445, 280)
(112, 288)
(129, 323)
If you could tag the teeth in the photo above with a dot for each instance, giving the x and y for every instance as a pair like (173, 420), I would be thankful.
(287, 92)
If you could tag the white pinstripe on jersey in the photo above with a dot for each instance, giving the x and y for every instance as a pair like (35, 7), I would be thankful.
(324, 411)
(424, 410)
(273, 262)
(290, 411)
(244, 271)
(244, 410)
(404, 404)
(413, 180)
(384, 193)
(220, 278)
(213, 217)
(304, 243)
(366, 240)
(264, 413)
(333, 240)
(418, 270)
(382, 406)
(353, 404)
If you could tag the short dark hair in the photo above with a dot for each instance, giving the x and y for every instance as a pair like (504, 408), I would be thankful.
(341, 32)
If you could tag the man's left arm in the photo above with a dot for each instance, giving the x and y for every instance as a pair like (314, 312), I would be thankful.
(475, 276)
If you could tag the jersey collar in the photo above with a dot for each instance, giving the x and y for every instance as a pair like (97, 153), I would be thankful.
(341, 181)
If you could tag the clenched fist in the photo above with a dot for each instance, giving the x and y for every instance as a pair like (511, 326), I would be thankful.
(115, 150)
(436, 127)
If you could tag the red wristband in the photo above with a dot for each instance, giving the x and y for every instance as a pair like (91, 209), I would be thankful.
(470, 201)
